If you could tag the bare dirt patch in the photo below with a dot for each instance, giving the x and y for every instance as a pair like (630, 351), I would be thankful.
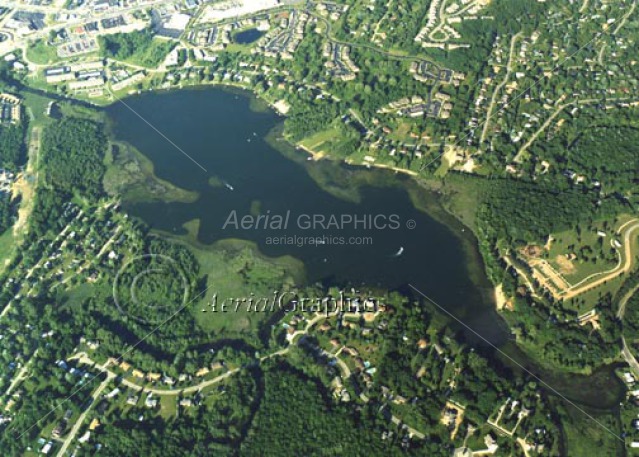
(533, 251)
(565, 265)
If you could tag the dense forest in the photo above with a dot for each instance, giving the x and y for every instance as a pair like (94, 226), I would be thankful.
(12, 145)
(631, 315)
(516, 210)
(12, 155)
(296, 418)
(7, 212)
(556, 336)
(600, 147)
(73, 152)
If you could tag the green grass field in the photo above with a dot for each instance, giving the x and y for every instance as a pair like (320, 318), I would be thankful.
(586, 438)
(168, 406)
(579, 255)
(235, 269)
(42, 54)
(317, 141)
(37, 107)
(137, 48)
(7, 248)
(588, 300)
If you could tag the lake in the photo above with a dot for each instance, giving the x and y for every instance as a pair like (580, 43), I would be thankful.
(220, 131)
(250, 173)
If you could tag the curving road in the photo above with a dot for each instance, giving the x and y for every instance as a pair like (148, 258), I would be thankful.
(493, 100)
(626, 353)
(624, 301)
(628, 264)
(83, 358)
(389, 54)
(629, 357)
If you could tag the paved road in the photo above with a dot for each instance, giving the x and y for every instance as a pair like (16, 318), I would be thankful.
(625, 351)
(629, 358)
(361, 45)
(84, 15)
(623, 20)
(493, 100)
(539, 131)
(22, 374)
(397, 421)
(624, 301)
(628, 264)
(78, 423)
(83, 358)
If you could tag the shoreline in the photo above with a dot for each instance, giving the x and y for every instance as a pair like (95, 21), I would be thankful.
(473, 257)
(474, 260)
(316, 156)
(280, 107)
(501, 301)
(277, 107)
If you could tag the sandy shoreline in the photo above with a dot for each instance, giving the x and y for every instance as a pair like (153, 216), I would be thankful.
(500, 298)
(501, 301)
(322, 155)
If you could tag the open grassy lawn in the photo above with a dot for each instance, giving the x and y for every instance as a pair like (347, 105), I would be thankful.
(78, 295)
(137, 48)
(7, 248)
(37, 107)
(476, 440)
(401, 132)
(239, 48)
(584, 437)
(588, 300)
(573, 255)
(168, 406)
(42, 54)
(579, 255)
(316, 141)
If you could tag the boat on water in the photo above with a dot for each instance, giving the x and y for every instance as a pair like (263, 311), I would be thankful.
(400, 251)
(228, 186)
